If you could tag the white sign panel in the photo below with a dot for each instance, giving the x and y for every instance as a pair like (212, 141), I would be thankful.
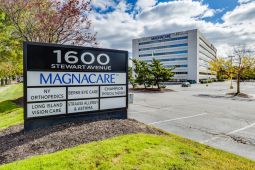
(77, 106)
(112, 103)
(46, 94)
(42, 78)
(111, 91)
(45, 109)
(83, 92)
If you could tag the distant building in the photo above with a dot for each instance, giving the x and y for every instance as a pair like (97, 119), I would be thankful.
(188, 51)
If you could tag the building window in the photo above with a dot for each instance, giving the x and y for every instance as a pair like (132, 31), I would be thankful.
(162, 47)
(165, 53)
(176, 66)
(180, 72)
(168, 59)
(165, 40)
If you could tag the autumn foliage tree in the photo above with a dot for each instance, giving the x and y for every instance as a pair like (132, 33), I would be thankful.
(51, 21)
(46, 21)
(241, 67)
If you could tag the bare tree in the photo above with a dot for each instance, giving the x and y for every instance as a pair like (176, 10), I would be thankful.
(243, 62)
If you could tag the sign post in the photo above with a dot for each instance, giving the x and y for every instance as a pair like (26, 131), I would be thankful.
(69, 83)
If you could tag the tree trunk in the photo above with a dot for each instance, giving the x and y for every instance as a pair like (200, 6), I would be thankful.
(238, 84)
(158, 85)
(6, 81)
(2, 82)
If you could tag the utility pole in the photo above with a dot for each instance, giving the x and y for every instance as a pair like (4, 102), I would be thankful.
(231, 59)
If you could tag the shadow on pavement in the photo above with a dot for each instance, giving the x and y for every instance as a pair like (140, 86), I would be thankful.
(225, 97)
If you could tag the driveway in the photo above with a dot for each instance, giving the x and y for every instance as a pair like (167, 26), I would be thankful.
(203, 114)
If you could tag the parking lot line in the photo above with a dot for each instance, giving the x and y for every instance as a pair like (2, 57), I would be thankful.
(179, 118)
(229, 133)
(142, 111)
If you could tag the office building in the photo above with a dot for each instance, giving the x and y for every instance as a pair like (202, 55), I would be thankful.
(189, 52)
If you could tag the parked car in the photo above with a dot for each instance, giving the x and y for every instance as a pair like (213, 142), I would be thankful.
(20, 79)
(186, 84)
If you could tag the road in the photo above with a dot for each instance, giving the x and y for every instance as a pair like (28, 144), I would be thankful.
(204, 114)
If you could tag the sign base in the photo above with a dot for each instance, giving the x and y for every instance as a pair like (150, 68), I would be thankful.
(52, 121)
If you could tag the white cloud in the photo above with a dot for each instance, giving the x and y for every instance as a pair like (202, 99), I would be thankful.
(103, 4)
(244, 1)
(144, 4)
(176, 9)
(241, 14)
(116, 29)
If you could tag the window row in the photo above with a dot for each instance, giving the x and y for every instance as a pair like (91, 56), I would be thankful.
(180, 72)
(162, 47)
(164, 40)
(165, 53)
(176, 66)
(207, 50)
(169, 59)
(208, 46)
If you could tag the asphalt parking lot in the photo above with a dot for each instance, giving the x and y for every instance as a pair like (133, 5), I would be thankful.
(204, 114)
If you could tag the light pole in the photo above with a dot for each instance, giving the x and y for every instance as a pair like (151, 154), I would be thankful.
(231, 59)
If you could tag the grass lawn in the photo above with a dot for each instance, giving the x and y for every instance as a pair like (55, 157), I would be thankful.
(139, 151)
(10, 113)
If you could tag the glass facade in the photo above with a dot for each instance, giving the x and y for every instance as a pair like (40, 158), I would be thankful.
(177, 66)
(162, 47)
(164, 40)
(169, 59)
(165, 53)
(180, 72)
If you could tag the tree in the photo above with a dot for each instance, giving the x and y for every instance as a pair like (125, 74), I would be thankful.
(243, 63)
(143, 74)
(221, 67)
(6, 72)
(50, 21)
(241, 67)
(131, 78)
(10, 50)
(160, 73)
(151, 74)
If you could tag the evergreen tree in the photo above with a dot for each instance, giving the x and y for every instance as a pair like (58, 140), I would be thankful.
(143, 74)
(160, 73)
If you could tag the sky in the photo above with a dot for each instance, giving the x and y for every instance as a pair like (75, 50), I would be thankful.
(225, 23)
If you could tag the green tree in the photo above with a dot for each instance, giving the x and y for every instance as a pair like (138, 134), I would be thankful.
(160, 73)
(143, 74)
(10, 50)
(131, 78)
(219, 66)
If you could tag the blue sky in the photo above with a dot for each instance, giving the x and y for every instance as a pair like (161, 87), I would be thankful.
(226, 23)
(222, 5)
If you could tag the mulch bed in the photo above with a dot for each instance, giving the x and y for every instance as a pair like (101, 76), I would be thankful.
(243, 95)
(19, 102)
(15, 144)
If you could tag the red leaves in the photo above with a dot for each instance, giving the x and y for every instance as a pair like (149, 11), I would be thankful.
(52, 21)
